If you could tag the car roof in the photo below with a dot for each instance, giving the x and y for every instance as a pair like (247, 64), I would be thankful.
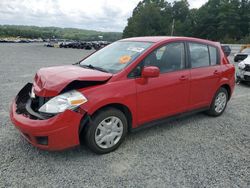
(148, 39)
(156, 39)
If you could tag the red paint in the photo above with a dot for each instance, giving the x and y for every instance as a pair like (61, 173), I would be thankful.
(150, 72)
(62, 129)
(147, 98)
(50, 81)
(161, 96)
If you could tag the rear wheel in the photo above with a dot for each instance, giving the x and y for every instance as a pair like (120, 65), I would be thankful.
(106, 131)
(219, 103)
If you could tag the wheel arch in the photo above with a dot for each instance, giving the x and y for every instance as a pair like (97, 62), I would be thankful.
(123, 108)
(227, 87)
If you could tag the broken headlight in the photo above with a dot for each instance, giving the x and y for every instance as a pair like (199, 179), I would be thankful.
(69, 100)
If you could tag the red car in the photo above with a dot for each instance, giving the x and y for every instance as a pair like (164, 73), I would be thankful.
(130, 84)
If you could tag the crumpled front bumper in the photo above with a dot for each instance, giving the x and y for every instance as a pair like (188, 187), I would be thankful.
(243, 75)
(55, 133)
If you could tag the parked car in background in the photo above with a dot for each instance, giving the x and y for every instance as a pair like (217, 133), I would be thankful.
(243, 74)
(130, 84)
(226, 49)
(243, 54)
(49, 44)
(88, 46)
(244, 46)
(83, 45)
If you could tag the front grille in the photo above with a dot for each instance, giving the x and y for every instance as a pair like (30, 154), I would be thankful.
(28, 106)
(22, 98)
(247, 68)
(37, 102)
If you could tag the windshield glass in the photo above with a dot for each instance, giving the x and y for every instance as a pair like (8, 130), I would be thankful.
(246, 50)
(116, 56)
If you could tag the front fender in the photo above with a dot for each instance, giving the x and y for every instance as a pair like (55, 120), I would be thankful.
(120, 92)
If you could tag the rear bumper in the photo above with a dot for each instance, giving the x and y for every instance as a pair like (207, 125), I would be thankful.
(56, 133)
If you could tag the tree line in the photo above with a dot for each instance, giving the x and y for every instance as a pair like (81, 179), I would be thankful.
(34, 32)
(226, 21)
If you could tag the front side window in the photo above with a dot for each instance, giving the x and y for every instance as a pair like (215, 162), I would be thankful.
(116, 56)
(168, 58)
(199, 55)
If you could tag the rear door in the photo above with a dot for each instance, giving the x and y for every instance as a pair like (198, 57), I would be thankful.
(167, 94)
(205, 74)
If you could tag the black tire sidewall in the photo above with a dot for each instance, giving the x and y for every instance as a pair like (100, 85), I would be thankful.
(92, 126)
(212, 107)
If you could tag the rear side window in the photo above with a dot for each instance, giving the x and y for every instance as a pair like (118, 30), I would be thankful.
(168, 58)
(213, 55)
(199, 55)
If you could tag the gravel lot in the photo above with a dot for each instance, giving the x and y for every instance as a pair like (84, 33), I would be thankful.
(196, 151)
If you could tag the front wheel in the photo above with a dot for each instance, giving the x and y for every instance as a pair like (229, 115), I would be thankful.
(106, 131)
(219, 103)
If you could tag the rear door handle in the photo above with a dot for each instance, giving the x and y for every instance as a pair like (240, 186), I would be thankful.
(182, 78)
(216, 72)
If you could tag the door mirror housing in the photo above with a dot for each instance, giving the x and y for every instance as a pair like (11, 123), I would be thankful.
(150, 72)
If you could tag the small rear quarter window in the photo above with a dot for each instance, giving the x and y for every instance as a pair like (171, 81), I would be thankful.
(213, 55)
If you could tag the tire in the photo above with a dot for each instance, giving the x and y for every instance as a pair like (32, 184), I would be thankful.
(214, 109)
(102, 136)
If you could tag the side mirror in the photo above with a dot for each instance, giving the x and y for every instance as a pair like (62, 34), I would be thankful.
(150, 72)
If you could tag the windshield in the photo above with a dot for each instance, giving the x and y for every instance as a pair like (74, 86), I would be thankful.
(246, 50)
(115, 56)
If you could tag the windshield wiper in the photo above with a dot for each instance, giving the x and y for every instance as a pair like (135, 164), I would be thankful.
(95, 68)
(77, 63)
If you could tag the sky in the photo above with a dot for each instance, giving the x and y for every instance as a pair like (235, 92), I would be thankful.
(100, 15)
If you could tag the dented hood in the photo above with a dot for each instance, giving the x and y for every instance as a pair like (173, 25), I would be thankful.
(51, 81)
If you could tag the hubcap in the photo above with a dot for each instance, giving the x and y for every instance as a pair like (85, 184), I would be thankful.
(108, 132)
(220, 102)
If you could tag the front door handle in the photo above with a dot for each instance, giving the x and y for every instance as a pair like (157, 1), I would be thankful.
(183, 78)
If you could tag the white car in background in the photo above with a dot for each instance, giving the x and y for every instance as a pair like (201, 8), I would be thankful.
(243, 54)
(243, 74)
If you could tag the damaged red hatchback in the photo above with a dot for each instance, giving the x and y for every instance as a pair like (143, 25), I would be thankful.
(128, 84)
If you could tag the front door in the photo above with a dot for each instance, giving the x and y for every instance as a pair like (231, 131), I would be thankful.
(167, 94)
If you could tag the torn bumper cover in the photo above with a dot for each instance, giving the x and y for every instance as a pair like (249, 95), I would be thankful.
(244, 73)
(57, 132)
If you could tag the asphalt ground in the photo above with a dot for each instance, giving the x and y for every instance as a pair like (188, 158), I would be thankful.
(196, 151)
